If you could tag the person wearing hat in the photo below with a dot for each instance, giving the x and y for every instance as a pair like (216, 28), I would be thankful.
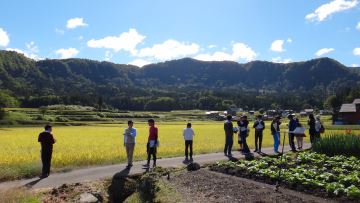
(292, 125)
(259, 126)
(275, 131)
(243, 129)
(129, 142)
(229, 131)
(47, 140)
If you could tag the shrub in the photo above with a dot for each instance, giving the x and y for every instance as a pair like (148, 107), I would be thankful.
(348, 145)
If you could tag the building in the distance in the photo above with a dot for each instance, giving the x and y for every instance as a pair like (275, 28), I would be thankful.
(349, 114)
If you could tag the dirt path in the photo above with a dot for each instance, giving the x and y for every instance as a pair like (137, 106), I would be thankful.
(207, 186)
(102, 172)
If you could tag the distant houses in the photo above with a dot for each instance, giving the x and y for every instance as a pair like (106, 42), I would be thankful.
(349, 113)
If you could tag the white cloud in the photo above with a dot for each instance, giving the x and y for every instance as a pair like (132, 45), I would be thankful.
(277, 46)
(356, 52)
(80, 37)
(59, 31)
(170, 49)
(289, 40)
(324, 51)
(140, 62)
(28, 55)
(355, 65)
(280, 60)
(239, 51)
(108, 55)
(4, 38)
(358, 26)
(126, 41)
(67, 53)
(32, 47)
(211, 46)
(75, 22)
(326, 10)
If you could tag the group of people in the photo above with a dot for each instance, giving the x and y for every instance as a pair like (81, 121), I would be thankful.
(294, 126)
(295, 130)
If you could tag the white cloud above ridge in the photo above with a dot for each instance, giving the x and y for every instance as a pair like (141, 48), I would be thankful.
(4, 38)
(277, 45)
(239, 51)
(126, 41)
(73, 23)
(139, 62)
(356, 51)
(324, 51)
(67, 53)
(355, 65)
(170, 49)
(358, 26)
(280, 60)
(25, 53)
(326, 10)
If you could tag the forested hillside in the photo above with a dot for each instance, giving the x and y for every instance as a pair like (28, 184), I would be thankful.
(178, 84)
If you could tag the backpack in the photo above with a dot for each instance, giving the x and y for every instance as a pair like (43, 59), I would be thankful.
(322, 129)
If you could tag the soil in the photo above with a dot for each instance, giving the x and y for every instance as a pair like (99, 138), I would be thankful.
(208, 186)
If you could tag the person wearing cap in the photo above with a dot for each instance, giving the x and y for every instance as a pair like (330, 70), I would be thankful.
(47, 140)
(188, 134)
(259, 126)
(152, 143)
(292, 125)
(229, 131)
(275, 131)
(129, 142)
(243, 128)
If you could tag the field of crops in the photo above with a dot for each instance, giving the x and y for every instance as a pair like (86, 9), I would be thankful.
(103, 144)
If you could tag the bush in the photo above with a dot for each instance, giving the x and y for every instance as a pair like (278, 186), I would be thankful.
(348, 145)
(2, 113)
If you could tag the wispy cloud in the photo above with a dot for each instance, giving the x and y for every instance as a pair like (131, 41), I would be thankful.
(358, 26)
(67, 53)
(59, 31)
(4, 38)
(75, 22)
(140, 62)
(324, 51)
(126, 41)
(280, 60)
(239, 51)
(356, 51)
(170, 49)
(326, 10)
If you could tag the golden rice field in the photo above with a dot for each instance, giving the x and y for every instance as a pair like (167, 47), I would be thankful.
(103, 144)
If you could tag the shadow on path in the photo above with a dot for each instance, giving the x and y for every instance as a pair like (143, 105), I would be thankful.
(121, 186)
(32, 183)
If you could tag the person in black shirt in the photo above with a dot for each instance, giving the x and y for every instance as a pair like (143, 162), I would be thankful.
(312, 130)
(47, 140)
(229, 131)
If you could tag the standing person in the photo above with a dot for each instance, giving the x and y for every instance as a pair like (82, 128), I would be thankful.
(239, 137)
(188, 134)
(292, 125)
(312, 130)
(129, 142)
(259, 126)
(318, 127)
(47, 140)
(275, 131)
(299, 134)
(152, 143)
(244, 133)
(229, 131)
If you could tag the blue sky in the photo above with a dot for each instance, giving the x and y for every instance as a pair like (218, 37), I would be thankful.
(143, 31)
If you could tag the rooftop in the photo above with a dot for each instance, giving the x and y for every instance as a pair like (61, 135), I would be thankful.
(348, 108)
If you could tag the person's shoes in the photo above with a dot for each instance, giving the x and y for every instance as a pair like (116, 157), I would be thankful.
(44, 176)
(294, 150)
(259, 151)
(154, 165)
(146, 165)
(230, 155)
(255, 150)
(129, 166)
(225, 154)
(191, 160)
(277, 152)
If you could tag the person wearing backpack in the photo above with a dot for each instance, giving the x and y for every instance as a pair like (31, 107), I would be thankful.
(319, 128)
(259, 126)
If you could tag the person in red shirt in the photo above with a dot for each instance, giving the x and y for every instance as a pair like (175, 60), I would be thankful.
(47, 140)
(152, 143)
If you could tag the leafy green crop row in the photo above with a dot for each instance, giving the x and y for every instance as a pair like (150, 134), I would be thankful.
(337, 176)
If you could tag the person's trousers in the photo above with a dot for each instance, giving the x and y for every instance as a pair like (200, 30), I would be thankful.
(245, 145)
(228, 144)
(129, 152)
(188, 144)
(291, 141)
(276, 137)
(46, 154)
(151, 151)
(258, 139)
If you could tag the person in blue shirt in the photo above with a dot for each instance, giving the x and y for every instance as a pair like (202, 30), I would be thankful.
(129, 142)
(292, 125)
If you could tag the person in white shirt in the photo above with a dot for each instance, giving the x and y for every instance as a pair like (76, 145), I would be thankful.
(188, 134)
(129, 142)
